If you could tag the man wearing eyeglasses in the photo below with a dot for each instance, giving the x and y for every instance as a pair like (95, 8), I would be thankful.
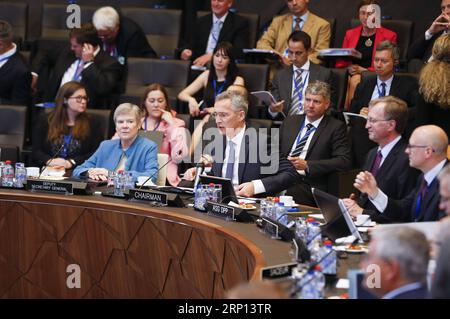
(81, 60)
(427, 151)
(388, 161)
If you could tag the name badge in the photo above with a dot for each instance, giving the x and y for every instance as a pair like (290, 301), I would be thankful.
(50, 187)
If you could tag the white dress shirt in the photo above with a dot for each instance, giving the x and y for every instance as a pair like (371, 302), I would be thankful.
(70, 72)
(209, 47)
(5, 56)
(378, 87)
(237, 140)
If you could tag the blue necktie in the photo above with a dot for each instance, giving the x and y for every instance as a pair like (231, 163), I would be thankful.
(420, 198)
(383, 89)
(215, 32)
(230, 162)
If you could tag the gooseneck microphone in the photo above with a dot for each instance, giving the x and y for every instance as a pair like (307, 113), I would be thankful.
(156, 173)
(51, 159)
(198, 171)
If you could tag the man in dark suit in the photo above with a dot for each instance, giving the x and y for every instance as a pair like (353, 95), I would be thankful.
(388, 161)
(315, 143)
(401, 255)
(221, 25)
(383, 83)
(239, 152)
(422, 47)
(121, 37)
(289, 84)
(15, 76)
(427, 151)
(82, 61)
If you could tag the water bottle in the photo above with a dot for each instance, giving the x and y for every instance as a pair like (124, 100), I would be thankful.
(314, 234)
(7, 175)
(217, 195)
(201, 194)
(280, 214)
(328, 257)
(118, 183)
(20, 175)
(1, 169)
(128, 182)
(319, 283)
(307, 284)
(301, 229)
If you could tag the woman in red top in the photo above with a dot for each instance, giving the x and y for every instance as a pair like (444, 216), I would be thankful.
(365, 39)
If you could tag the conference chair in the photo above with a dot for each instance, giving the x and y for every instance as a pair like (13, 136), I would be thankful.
(12, 131)
(256, 77)
(340, 81)
(104, 118)
(162, 27)
(16, 14)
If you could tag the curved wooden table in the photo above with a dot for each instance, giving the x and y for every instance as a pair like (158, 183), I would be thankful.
(124, 249)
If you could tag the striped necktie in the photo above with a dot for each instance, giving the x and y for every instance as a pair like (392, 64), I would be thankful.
(301, 144)
(296, 104)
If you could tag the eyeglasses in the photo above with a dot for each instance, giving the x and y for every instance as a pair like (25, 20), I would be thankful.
(79, 99)
(410, 146)
(372, 120)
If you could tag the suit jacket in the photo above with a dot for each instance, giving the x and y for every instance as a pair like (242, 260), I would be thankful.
(430, 113)
(102, 78)
(402, 87)
(15, 81)
(250, 168)
(404, 210)
(395, 177)
(418, 293)
(235, 30)
(282, 85)
(421, 48)
(131, 40)
(275, 38)
(352, 37)
(328, 152)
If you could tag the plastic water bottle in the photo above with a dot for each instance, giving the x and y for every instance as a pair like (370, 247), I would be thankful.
(307, 284)
(20, 175)
(1, 169)
(319, 282)
(118, 183)
(328, 257)
(7, 175)
(201, 194)
(314, 234)
(128, 182)
(280, 214)
(301, 229)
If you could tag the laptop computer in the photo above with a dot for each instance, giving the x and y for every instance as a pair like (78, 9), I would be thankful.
(339, 223)
(155, 136)
(228, 193)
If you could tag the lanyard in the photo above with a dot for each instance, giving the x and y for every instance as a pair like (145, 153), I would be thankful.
(145, 125)
(220, 89)
(307, 134)
(67, 140)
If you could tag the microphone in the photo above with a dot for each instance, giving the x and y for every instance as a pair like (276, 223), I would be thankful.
(156, 173)
(51, 159)
(198, 171)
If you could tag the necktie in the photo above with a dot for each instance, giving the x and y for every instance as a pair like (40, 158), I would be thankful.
(296, 104)
(297, 24)
(80, 66)
(301, 144)
(376, 163)
(215, 31)
(420, 197)
(230, 163)
(383, 89)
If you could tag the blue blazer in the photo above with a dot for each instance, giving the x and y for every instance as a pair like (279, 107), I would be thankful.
(141, 158)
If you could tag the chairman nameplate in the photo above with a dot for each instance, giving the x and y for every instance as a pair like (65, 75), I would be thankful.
(148, 196)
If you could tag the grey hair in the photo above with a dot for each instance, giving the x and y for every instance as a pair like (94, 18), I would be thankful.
(105, 18)
(238, 100)
(319, 88)
(6, 31)
(388, 45)
(128, 108)
(407, 246)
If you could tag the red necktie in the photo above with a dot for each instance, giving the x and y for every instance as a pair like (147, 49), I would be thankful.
(376, 164)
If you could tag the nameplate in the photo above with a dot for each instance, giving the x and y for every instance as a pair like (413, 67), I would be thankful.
(50, 187)
(277, 271)
(220, 210)
(148, 196)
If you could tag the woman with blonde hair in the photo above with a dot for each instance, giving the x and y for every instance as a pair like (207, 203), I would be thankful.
(433, 104)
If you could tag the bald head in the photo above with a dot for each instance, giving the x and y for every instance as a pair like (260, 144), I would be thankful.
(433, 136)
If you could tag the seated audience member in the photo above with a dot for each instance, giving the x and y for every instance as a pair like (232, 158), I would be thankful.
(68, 132)
(219, 26)
(299, 18)
(15, 76)
(316, 144)
(223, 73)
(289, 84)
(402, 256)
(84, 61)
(257, 290)
(387, 162)
(238, 152)
(131, 152)
(160, 117)
(121, 37)
(433, 102)
(427, 151)
(383, 83)
(364, 38)
(422, 47)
